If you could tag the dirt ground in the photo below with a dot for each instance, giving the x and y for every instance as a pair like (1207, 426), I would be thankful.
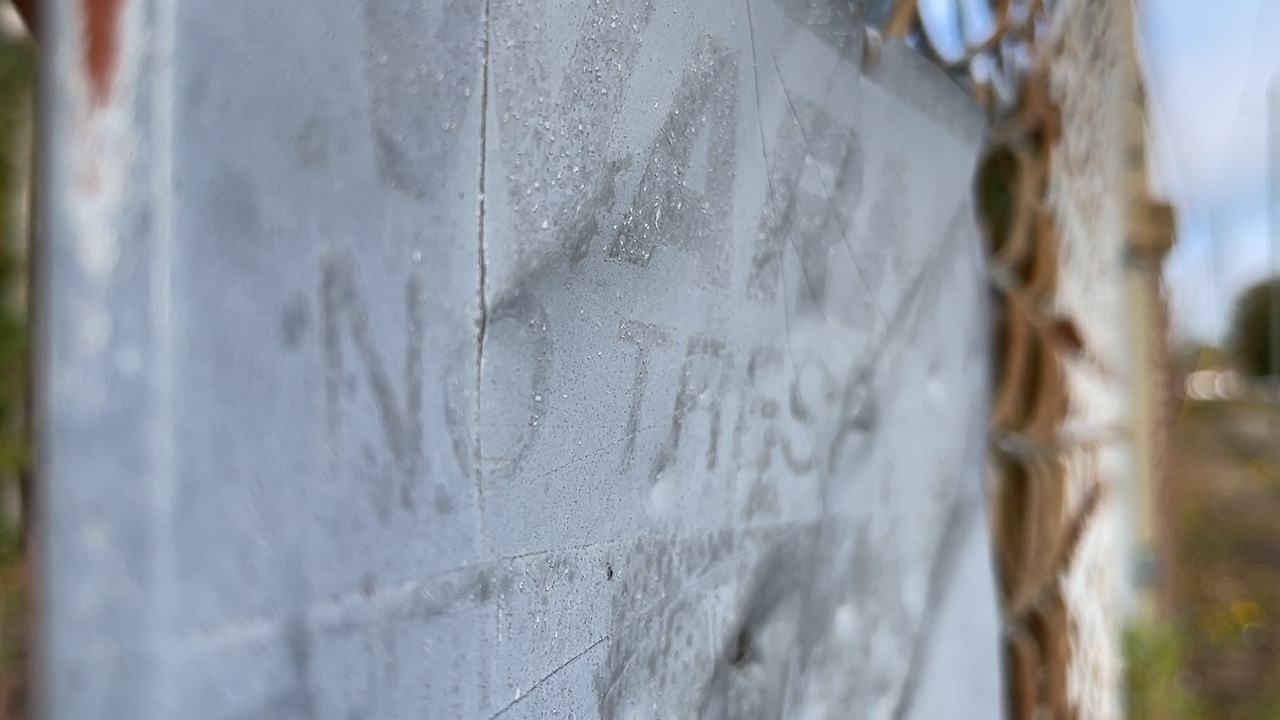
(1224, 513)
(12, 640)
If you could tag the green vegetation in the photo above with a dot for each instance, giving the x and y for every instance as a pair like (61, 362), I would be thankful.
(16, 67)
(1223, 499)
(16, 70)
(1255, 329)
(17, 62)
(1154, 658)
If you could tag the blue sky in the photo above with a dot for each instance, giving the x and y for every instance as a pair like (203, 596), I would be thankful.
(1210, 65)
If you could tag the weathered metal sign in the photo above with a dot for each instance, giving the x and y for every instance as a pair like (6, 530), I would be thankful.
(527, 359)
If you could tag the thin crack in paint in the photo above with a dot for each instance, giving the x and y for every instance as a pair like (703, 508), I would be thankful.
(836, 212)
(545, 678)
(483, 319)
(911, 300)
(661, 604)
(768, 175)
(437, 593)
(755, 71)
(964, 511)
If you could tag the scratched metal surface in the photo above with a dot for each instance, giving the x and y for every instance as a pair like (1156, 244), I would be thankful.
(550, 358)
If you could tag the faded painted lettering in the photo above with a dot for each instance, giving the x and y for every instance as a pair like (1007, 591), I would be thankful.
(807, 202)
(685, 197)
(646, 337)
(343, 305)
(697, 391)
(519, 326)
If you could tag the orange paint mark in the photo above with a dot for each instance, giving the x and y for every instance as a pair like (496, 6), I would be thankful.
(101, 46)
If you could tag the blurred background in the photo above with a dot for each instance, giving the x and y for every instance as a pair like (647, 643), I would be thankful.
(1213, 74)
(17, 73)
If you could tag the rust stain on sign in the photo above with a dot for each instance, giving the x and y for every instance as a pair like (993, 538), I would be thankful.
(101, 46)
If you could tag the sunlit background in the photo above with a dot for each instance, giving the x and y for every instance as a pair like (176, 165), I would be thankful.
(1212, 67)
(1213, 75)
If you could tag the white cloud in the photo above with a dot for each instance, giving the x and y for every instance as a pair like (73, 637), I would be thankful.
(1219, 254)
(1209, 69)
(1209, 66)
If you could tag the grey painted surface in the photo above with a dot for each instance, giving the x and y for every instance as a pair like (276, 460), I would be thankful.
(571, 359)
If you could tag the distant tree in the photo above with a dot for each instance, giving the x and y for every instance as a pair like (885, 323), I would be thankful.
(1255, 330)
